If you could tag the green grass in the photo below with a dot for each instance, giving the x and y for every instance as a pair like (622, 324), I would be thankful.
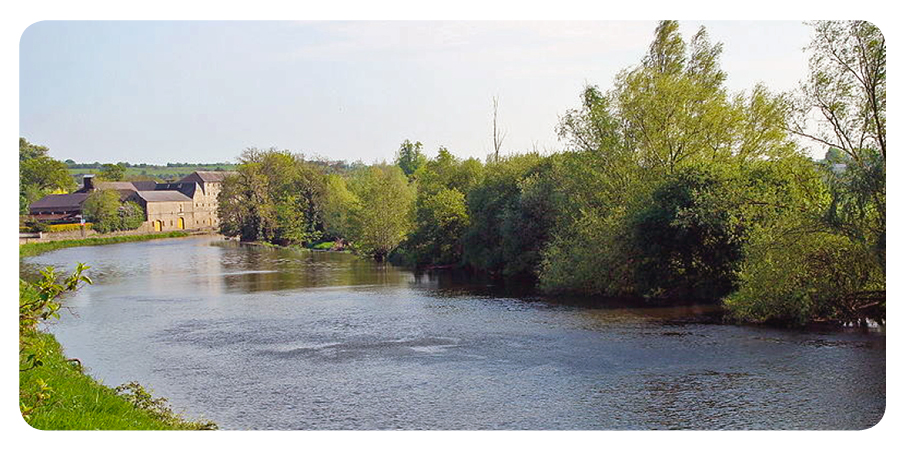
(37, 248)
(322, 246)
(161, 172)
(75, 401)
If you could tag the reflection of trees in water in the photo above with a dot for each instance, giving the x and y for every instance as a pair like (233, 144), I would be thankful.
(253, 268)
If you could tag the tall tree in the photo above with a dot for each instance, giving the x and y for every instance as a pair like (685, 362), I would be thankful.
(275, 196)
(383, 216)
(39, 174)
(409, 157)
(498, 134)
(847, 90)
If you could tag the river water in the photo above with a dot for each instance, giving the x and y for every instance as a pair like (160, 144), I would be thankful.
(257, 338)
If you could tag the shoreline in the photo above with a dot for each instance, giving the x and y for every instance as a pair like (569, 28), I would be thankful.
(37, 248)
(58, 394)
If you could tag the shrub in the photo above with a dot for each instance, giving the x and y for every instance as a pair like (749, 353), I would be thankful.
(63, 227)
(801, 277)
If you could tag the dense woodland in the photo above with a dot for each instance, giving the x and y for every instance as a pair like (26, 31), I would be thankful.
(670, 188)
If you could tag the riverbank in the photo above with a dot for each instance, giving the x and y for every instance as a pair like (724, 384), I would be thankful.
(32, 249)
(59, 395)
(56, 394)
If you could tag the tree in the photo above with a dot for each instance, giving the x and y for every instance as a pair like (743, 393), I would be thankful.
(826, 258)
(409, 157)
(39, 174)
(490, 210)
(847, 89)
(670, 113)
(339, 202)
(440, 220)
(275, 196)
(383, 215)
(689, 239)
(112, 172)
(498, 134)
(107, 213)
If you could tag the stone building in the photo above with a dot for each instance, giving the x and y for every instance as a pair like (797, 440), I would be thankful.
(187, 204)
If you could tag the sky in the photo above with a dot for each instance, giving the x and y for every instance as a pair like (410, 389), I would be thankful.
(189, 91)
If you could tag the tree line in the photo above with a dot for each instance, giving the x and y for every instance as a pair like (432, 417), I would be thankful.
(671, 188)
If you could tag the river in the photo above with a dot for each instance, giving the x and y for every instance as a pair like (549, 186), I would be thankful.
(259, 338)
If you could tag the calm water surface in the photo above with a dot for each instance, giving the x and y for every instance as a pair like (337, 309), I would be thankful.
(255, 338)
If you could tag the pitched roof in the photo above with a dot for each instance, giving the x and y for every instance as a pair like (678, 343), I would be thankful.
(163, 196)
(59, 202)
(118, 185)
(206, 176)
(187, 188)
(144, 185)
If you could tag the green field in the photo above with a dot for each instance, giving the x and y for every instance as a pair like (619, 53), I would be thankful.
(162, 173)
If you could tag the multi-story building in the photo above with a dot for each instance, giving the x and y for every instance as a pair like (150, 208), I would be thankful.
(187, 204)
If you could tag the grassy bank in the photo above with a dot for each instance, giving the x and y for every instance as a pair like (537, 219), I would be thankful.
(37, 248)
(58, 395)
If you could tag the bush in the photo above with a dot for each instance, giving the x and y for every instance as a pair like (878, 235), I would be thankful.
(38, 301)
(688, 238)
(63, 227)
(109, 214)
(35, 226)
(802, 277)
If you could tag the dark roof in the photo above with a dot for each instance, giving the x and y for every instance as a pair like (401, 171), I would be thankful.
(118, 185)
(59, 203)
(206, 177)
(145, 185)
(187, 188)
(121, 186)
(163, 196)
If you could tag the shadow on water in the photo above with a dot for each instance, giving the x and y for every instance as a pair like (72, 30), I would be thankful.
(255, 337)
(456, 282)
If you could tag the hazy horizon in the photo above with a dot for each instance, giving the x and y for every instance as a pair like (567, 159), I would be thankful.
(201, 92)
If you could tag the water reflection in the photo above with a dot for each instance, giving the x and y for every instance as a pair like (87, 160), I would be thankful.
(255, 337)
(255, 269)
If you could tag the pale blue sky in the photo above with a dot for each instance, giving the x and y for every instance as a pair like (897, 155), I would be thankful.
(161, 92)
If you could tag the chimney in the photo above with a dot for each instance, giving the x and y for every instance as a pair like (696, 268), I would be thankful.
(88, 182)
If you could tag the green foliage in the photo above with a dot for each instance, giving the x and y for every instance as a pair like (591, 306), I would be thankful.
(381, 211)
(795, 278)
(107, 213)
(275, 197)
(112, 172)
(39, 174)
(687, 241)
(441, 219)
(619, 193)
(409, 157)
(441, 211)
(38, 302)
(58, 395)
(493, 207)
(827, 259)
(847, 90)
(338, 206)
(157, 407)
(36, 226)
